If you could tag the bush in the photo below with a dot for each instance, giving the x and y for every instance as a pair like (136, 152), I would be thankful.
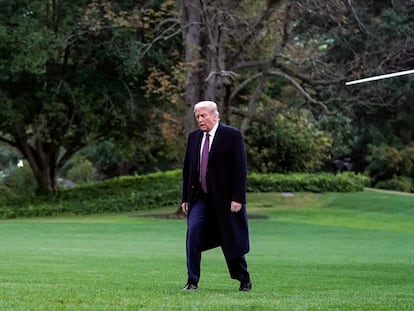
(287, 143)
(82, 171)
(397, 183)
(6, 194)
(128, 193)
(302, 182)
(386, 161)
(20, 180)
(132, 193)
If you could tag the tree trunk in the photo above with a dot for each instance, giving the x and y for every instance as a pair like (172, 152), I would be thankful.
(218, 80)
(42, 158)
(206, 75)
(191, 24)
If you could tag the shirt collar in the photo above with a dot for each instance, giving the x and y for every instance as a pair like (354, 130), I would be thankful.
(213, 130)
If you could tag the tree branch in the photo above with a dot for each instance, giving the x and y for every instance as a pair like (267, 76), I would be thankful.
(361, 25)
(256, 29)
(165, 35)
(300, 89)
(244, 84)
(7, 141)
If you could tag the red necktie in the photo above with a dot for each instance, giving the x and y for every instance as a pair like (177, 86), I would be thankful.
(204, 162)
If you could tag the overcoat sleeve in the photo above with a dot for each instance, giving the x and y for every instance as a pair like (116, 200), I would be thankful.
(239, 181)
(191, 167)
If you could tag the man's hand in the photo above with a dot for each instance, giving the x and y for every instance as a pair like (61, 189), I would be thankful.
(235, 206)
(184, 207)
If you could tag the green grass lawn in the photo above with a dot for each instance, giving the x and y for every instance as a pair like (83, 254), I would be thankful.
(335, 251)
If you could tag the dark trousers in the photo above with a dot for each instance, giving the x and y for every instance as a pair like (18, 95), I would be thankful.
(197, 224)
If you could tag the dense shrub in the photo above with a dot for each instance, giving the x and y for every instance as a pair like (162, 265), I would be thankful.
(390, 167)
(287, 143)
(6, 194)
(398, 183)
(82, 171)
(115, 195)
(133, 193)
(20, 180)
(344, 182)
(386, 161)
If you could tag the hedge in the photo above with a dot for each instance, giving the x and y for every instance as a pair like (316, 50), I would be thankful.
(302, 182)
(132, 193)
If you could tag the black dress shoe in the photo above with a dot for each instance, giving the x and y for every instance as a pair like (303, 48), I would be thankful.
(245, 286)
(190, 286)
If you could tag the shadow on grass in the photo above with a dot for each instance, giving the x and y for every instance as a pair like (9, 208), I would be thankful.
(178, 215)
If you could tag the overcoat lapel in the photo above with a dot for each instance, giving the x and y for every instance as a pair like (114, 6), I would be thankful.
(216, 141)
(197, 150)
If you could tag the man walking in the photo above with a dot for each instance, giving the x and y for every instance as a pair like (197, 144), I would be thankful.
(214, 195)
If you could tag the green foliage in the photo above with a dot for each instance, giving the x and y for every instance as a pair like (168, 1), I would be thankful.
(73, 72)
(82, 170)
(6, 194)
(20, 181)
(17, 187)
(287, 143)
(132, 193)
(395, 22)
(397, 183)
(339, 126)
(300, 182)
(387, 161)
(379, 42)
(391, 167)
(105, 157)
(8, 157)
(128, 193)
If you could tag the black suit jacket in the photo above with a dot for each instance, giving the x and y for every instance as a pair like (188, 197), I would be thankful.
(226, 181)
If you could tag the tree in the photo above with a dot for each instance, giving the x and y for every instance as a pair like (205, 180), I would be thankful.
(70, 77)
(237, 51)
(381, 111)
(234, 49)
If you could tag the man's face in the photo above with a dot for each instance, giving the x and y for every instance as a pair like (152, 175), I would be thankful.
(205, 119)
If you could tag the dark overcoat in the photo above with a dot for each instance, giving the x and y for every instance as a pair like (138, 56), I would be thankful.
(226, 181)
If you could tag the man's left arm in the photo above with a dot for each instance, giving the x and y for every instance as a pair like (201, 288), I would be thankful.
(239, 182)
